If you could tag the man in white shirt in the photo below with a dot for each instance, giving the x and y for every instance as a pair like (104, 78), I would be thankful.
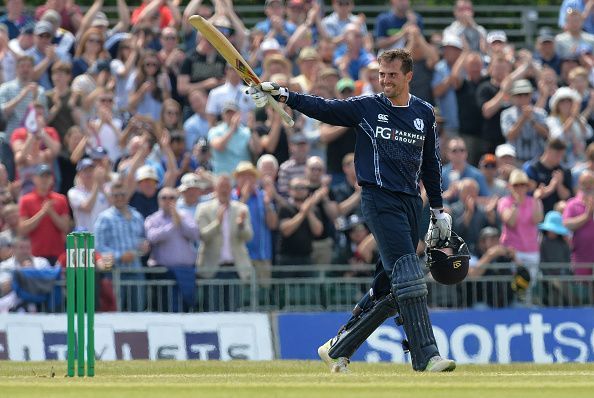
(87, 198)
(233, 90)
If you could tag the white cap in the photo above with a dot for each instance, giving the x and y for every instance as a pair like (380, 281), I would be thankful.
(452, 41)
(146, 172)
(505, 150)
(496, 35)
(270, 44)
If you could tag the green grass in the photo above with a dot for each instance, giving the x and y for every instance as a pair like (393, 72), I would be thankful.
(288, 379)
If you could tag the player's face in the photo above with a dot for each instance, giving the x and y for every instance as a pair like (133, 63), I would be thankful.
(392, 80)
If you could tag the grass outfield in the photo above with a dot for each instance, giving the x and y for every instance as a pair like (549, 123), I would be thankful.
(289, 379)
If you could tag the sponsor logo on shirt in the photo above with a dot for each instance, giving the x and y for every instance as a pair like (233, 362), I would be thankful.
(419, 125)
(382, 118)
(392, 134)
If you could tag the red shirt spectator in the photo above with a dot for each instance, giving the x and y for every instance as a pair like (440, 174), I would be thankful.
(70, 14)
(164, 12)
(45, 216)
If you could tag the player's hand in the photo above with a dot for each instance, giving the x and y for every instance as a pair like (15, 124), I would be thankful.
(440, 229)
(277, 92)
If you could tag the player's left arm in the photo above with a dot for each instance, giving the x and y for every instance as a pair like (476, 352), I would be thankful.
(431, 165)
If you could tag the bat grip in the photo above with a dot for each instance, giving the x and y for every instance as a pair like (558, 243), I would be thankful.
(284, 115)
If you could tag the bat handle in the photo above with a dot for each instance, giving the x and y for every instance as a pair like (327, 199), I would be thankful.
(284, 115)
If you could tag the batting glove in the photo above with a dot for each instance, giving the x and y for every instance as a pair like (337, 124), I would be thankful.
(260, 99)
(280, 94)
(440, 229)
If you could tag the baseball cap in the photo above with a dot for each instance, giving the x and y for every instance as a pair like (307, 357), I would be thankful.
(100, 19)
(52, 16)
(345, 83)
(270, 44)
(189, 180)
(43, 169)
(84, 164)
(521, 86)
(488, 159)
(496, 35)
(452, 41)
(42, 27)
(505, 150)
(545, 34)
(298, 139)
(97, 153)
(246, 167)
(146, 172)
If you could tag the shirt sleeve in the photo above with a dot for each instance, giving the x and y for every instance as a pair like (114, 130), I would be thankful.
(332, 111)
(507, 121)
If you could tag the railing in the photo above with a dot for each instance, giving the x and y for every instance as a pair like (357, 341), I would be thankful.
(317, 288)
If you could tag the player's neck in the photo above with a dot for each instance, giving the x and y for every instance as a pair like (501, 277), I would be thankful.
(401, 100)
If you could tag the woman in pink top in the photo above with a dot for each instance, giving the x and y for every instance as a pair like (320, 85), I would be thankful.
(521, 215)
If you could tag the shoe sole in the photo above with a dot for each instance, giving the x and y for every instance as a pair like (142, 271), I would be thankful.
(444, 366)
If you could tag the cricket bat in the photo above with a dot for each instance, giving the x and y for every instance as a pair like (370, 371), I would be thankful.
(232, 56)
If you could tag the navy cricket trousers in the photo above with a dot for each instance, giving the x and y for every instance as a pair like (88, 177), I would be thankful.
(393, 219)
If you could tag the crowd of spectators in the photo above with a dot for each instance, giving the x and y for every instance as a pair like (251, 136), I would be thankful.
(140, 133)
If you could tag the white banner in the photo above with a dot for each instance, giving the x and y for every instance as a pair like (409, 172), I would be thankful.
(224, 336)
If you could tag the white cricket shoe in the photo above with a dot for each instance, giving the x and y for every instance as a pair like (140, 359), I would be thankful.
(338, 365)
(439, 364)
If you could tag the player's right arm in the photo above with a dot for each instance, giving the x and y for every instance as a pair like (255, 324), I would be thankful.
(332, 111)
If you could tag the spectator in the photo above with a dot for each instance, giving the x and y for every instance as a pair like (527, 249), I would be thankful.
(88, 50)
(446, 79)
(578, 216)
(354, 57)
(105, 129)
(335, 23)
(172, 235)
(425, 57)
(6, 252)
(310, 27)
(299, 225)
(275, 23)
(339, 140)
(295, 165)
(195, 188)
(573, 39)
(577, 171)
(391, 26)
(488, 167)
(119, 234)
(148, 86)
(144, 199)
(87, 198)
(348, 193)
(545, 50)
(233, 90)
(184, 160)
(523, 125)
(22, 258)
(263, 215)
(70, 13)
(153, 12)
(196, 126)
(202, 154)
(75, 144)
(44, 53)
(44, 216)
(506, 160)
(465, 27)
(273, 135)
(356, 248)
(459, 169)
(94, 18)
(21, 44)
(15, 18)
(225, 228)
(232, 141)
(548, 179)
(268, 168)
(469, 217)
(120, 66)
(567, 124)
(546, 86)
(7, 57)
(470, 117)
(17, 94)
(309, 68)
(61, 114)
(491, 251)
(520, 215)
(578, 80)
(171, 117)
(492, 98)
(33, 145)
(62, 38)
(10, 222)
(553, 246)
(171, 57)
(368, 84)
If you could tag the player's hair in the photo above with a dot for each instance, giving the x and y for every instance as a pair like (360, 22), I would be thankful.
(556, 144)
(393, 55)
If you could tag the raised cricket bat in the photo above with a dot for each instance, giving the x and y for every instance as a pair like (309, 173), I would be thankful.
(232, 56)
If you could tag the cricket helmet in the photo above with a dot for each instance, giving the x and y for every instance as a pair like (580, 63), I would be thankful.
(449, 269)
